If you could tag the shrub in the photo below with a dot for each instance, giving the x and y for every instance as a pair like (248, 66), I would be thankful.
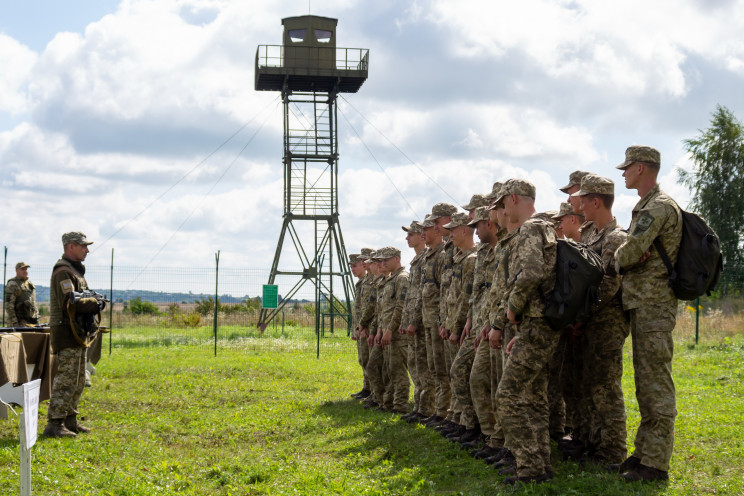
(139, 307)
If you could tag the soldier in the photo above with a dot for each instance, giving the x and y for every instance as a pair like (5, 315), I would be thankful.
(574, 183)
(366, 315)
(606, 329)
(68, 277)
(376, 363)
(357, 268)
(522, 393)
(570, 222)
(653, 307)
(412, 325)
(394, 344)
(20, 299)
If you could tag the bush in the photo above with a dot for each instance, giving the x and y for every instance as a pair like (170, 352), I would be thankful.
(139, 307)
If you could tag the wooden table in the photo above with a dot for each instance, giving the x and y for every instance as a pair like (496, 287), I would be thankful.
(24, 356)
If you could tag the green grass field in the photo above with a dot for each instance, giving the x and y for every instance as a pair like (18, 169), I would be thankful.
(179, 421)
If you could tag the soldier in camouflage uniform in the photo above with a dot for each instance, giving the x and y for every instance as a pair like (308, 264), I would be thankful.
(606, 329)
(653, 308)
(375, 363)
(394, 344)
(356, 264)
(522, 393)
(20, 299)
(412, 326)
(458, 304)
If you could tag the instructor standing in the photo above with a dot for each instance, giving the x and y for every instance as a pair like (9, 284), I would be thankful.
(70, 325)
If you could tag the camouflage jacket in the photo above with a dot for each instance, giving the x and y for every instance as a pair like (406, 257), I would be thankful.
(656, 215)
(481, 253)
(20, 302)
(431, 276)
(494, 309)
(67, 276)
(379, 285)
(586, 231)
(356, 309)
(447, 261)
(367, 300)
(393, 300)
(459, 291)
(412, 307)
(604, 243)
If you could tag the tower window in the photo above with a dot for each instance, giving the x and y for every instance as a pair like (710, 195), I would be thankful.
(297, 35)
(323, 36)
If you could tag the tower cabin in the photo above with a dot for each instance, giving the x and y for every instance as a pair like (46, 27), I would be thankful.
(309, 61)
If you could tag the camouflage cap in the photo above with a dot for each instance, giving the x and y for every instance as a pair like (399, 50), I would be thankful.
(354, 258)
(366, 253)
(639, 153)
(566, 209)
(574, 179)
(495, 190)
(458, 219)
(593, 184)
(481, 213)
(442, 210)
(547, 216)
(387, 252)
(75, 237)
(428, 222)
(22, 265)
(518, 187)
(415, 227)
(477, 200)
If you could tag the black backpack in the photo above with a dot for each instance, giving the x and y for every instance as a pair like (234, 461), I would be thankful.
(699, 260)
(578, 273)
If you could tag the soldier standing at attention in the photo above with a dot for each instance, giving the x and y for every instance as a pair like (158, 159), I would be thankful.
(20, 299)
(68, 277)
(375, 365)
(412, 326)
(653, 308)
(394, 344)
(523, 391)
(357, 268)
(606, 329)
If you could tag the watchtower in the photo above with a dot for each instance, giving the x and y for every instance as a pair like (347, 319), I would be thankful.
(310, 71)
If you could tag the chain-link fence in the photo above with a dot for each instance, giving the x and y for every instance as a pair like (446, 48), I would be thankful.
(167, 306)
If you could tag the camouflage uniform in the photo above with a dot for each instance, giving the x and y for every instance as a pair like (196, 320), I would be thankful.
(653, 308)
(522, 393)
(396, 353)
(20, 302)
(423, 383)
(360, 300)
(430, 302)
(458, 296)
(375, 363)
(447, 261)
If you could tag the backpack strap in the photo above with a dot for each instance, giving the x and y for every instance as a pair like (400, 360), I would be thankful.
(667, 261)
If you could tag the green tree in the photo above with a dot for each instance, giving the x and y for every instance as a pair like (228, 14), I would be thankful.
(717, 181)
(139, 307)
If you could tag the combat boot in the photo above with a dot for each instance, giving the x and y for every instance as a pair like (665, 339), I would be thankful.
(72, 425)
(470, 435)
(645, 473)
(484, 452)
(629, 464)
(537, 479)
(55, 428)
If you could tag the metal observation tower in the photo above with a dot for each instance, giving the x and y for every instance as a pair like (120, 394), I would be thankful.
(310, 72)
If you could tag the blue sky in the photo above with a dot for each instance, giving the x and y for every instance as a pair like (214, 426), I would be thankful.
(110, 104)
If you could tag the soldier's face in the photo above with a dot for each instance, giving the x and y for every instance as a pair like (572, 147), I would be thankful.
(76, 252)
(589, 207)
(22, 273)
(631, 174)
(574, 200)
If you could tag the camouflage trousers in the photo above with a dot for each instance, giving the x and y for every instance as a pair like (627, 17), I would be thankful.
(396, 366)
(423, 383)
(460, 382)
(572, 384)
(438, 370)
(363, 357)
(653, 349)
(376, 373)
(480, 388)
(523, 397)
(68, 384)
(450, 352)
(555, 397)
(498, 364)
(606, 333)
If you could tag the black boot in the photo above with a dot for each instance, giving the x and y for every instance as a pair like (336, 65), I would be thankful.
(56, 428)
(72, 425)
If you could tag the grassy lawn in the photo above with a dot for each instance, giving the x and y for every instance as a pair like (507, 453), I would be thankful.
(178, 420)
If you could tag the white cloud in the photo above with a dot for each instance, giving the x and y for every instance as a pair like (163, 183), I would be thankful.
(17, 62)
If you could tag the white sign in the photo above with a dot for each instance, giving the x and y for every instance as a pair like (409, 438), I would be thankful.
(31, 410)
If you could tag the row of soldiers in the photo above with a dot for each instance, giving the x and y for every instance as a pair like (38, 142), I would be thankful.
(467, 324)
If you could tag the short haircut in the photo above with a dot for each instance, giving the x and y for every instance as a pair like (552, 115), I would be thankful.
(607, 200)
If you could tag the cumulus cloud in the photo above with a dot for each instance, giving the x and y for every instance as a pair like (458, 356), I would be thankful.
(17, 61)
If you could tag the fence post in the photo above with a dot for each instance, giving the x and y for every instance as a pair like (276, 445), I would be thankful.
(216, 299)
(111, 306)
(5, 267)
(697, 319)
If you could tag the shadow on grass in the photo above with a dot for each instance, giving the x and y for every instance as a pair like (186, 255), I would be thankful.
(412, 459)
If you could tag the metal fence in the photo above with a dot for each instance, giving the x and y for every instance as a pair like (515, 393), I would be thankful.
(170, 306)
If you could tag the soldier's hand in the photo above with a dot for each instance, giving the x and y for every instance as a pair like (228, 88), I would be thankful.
(411, 331)
(644, 257)
(510, 345)
(468, 326)
(454, 338)
(484, 332)
(512, 316)
(387, 338)
(378, 338)
(463, 336)
(370, 341)
(477, 341)
(494, 338)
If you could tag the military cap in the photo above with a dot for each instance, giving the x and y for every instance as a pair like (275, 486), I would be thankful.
(495, 190)
(458, 219)
(477, 200)
(75, 237)
(354, 258)
(639, 153)
(22, 265)
(415, 227)
(597, 185)
(481, 213)
(428, 222)
(518, 187)
(566, 209)
(366, 253)
(387, 252)
(574, 179)
(442, 210)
